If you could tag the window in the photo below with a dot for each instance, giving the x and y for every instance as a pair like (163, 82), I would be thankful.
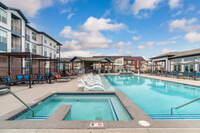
(27, 47)
(186, 68)
(138, 63)
(26, 63)
(191, 67)
(3, 16)
(34, 48)
(3, 36)
(129, 62)
(45, 51)
(50, 53)
(27, 34)
(34, 36)
(179, 68)
(119, 61)
(45, 39)
(54, 56)
(54, 45)
(50, 43)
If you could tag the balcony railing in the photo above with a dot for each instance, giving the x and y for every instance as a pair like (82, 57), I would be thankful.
(27, 37)
(16, 29)
(27, 50)
(15, 46)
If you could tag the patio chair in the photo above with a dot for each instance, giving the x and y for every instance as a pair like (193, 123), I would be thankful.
(11, 80)
(171, 74)
(38, 79)
(196, 76)
(92, 88)
(180, 74)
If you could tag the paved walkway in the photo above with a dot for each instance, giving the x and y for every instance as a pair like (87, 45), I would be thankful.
(8, 103)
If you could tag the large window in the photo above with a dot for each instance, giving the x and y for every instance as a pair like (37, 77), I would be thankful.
(34, 48)
(129, 62)
(191, 67)
(138, 63)
(45, 39)
(34, 37)
(27, 34)
(186, 68)
(50, 53)
(3, 16)
(50, 42)
(45, 51)
(179, 68)
(27, 47)
(3, 36)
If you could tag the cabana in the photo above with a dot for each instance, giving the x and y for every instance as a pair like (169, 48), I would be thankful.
(87, 63)
(22, 55)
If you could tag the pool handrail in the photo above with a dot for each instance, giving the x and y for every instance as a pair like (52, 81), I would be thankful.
(184, 105)
(7, 90)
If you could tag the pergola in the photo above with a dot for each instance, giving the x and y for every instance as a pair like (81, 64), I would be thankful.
(22, 55)
(87, 61)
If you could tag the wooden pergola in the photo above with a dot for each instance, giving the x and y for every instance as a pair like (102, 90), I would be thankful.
(22, 55)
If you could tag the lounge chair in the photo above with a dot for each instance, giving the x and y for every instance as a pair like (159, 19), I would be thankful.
(196, 76)
(171, 74)
(58, 77)
(38, 79)
(187, 75)
(92, 88)
(175, 74)
(180, 74)
(11, 80)
(91, 83)
(4, 87)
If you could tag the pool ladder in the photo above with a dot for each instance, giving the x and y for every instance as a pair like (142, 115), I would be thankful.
(7, 90)
(184, 105)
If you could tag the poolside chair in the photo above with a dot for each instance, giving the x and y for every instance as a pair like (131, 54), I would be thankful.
(92, 88)
(91, 83)
(180, 74)
(58, 77)
(175, 74)
(11, 80)
(196, 76)
(4, 87)
(38, 79)
(171, 74)
(187, 75)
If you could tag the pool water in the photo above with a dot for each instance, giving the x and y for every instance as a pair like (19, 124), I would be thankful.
(84, 108)
(157, 97)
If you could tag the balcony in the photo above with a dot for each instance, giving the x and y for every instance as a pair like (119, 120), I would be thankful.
(16, 29)
(27, 37)
(16, 46)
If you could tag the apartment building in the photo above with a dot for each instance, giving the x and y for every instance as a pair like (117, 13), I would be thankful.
(133, 63)
(17, 36)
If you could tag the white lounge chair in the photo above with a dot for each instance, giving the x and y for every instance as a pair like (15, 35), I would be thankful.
(92, 88)
(91, 83)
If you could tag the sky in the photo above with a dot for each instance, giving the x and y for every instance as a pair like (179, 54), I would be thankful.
(116, 27)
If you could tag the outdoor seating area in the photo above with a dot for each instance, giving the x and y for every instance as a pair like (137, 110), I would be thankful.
(176, 74)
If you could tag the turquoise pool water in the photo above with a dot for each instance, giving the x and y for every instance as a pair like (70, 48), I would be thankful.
(84, 108)
(156, 97)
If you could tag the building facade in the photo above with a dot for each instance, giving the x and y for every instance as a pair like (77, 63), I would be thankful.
(17, 36)
(179, 61)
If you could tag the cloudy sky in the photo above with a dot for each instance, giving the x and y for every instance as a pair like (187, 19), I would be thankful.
(116, 27)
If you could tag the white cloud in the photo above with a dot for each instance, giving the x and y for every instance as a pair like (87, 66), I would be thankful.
(122, 6)
(66, 1)
(192, 37)
(166, 50)
(175, 37)
(190, 8)
(90, 36)
(198, 12)
(136, 38)
(107, 13)
(29, 7)
(94, 24)
(144, 5)
(129, 53)
(176, 14)
(166, 42)
(174, 4)
(149, 45)
(70, 15)
(65, 11)
(121, 44)
(184, 25)
(82, 53)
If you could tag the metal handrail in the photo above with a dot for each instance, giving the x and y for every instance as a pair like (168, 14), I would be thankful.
(4, 90)
(184, 105)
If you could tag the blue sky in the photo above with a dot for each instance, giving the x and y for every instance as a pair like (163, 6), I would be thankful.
(116, 27)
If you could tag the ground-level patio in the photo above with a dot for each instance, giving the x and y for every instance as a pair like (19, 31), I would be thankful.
(9, 103)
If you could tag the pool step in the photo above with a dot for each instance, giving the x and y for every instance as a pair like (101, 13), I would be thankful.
(37, 118)
(174, 116)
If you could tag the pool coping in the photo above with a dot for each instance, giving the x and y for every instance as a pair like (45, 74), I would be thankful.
(55, 121)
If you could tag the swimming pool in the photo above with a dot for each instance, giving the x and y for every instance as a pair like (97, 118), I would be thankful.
(157, 97)
(85, 107)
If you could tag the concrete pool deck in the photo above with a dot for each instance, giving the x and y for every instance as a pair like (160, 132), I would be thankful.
(9, 103)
